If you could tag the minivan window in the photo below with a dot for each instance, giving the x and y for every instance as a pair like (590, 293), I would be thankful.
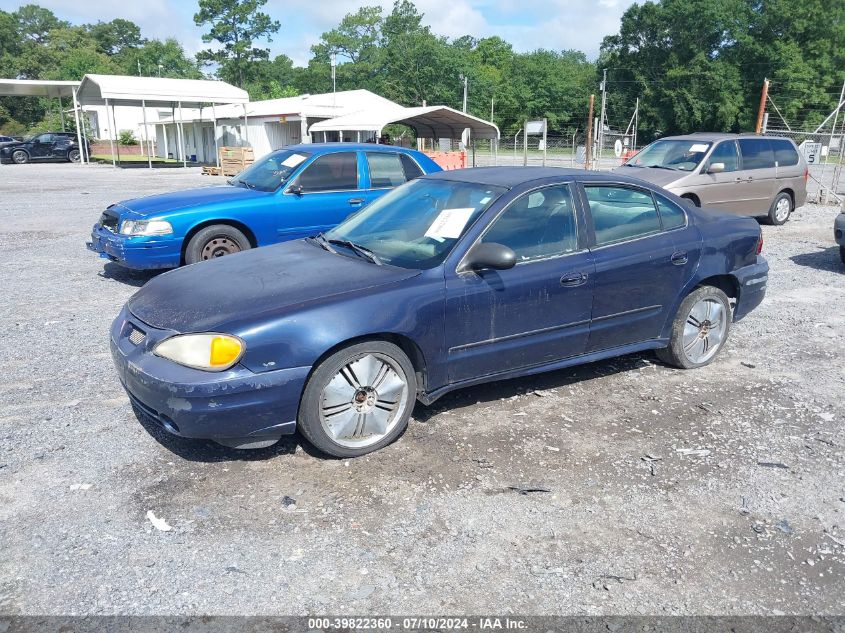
(330, 172)
(756, 153)
(621, 213)
(725, 152)
(677, 154)
(785, 153)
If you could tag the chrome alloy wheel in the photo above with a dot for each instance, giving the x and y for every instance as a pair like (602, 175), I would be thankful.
(782, 209)
(364, 401)
(704, 330)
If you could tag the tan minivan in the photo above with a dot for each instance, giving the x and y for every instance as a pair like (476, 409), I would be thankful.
(742, 173)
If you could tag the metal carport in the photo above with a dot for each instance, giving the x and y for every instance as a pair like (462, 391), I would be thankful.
(112, 90)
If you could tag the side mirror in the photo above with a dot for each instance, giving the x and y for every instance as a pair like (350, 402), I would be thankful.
(716, 168)
(490, 255)
(295, 190)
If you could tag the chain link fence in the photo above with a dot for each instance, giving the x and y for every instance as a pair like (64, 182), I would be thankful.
(825, 183)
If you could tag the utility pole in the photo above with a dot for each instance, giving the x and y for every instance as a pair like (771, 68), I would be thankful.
(636, 123)
(600, 131)
(334, 72)
(464, 79)
(765, 93)
(492, 100)
(139, 67)
(589, 144)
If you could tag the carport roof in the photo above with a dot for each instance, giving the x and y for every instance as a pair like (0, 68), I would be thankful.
(427, 121)
(36, 88)
(156, 91)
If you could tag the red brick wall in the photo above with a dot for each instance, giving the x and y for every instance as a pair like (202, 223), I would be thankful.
(103, 147)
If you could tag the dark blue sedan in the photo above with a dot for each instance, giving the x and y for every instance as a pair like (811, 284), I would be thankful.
(454, 279)
(289, 194)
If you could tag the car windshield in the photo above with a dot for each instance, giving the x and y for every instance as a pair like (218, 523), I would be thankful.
(271, 172)
(417, 224)
(678, 154)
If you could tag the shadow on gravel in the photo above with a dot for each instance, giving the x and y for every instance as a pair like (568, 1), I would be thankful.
(825, 259)
(208, 451)
(493, 391)
(127, 276)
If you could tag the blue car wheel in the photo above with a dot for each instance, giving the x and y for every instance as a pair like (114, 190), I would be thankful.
(699, 330)
(358, 400)
(214, 241)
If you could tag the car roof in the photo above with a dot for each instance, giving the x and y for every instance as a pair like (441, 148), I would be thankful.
(712, 136)
(511, 177)
(322, 148)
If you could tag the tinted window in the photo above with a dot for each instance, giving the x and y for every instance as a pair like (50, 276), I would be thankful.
(725, 152)
(44, 138)
(386, 170)
(671, 214)
(756, 153)
(412, 170)
(785, 152)
(620, 213)
(331, 172)
(536, 225)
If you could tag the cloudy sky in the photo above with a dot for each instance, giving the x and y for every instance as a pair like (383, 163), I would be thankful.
(527, 24)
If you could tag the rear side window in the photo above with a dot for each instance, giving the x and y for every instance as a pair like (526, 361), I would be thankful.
(412, 170)
(785, 153)
(331, 172)
(756, 153)
(621, 213)
(725, 152)
(671, 214)
(386, 170)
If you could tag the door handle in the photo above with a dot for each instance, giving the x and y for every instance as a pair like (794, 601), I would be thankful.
(355, 200)
(573, 279)
(679, 258)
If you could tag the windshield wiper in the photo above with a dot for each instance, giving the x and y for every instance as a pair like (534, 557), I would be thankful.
(322, 242)
(366, 252)
(662, 167)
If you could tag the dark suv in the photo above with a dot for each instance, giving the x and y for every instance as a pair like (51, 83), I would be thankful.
(46, 146)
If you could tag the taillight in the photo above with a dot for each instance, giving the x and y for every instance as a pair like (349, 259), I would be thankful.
(806, 174)
(760, 243)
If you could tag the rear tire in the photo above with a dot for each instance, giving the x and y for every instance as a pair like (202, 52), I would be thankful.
(20, 157)
(358, 400)
(699, 329)
(214, 241)
(73, 156)
(842, 253)
(781, 209)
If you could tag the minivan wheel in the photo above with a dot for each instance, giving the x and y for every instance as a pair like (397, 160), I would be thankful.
(20, 157)
(780, 209)
(358, 400)
(699, 330)
(214, 241)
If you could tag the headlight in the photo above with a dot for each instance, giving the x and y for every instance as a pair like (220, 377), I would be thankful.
(210, 352)
(145, 227)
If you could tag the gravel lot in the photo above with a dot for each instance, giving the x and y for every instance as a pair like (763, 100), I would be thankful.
(754, 523)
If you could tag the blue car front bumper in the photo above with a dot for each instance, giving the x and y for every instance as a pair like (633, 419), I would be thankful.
(137, 252)
(236, 404)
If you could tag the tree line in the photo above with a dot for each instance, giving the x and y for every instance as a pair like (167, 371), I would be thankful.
(694, 64)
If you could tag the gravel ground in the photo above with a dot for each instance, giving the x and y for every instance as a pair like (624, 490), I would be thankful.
(750, 521)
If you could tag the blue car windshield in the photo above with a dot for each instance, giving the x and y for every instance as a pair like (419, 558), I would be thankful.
(270, 172)
(417, 224)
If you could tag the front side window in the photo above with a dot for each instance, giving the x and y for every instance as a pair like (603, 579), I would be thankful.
(537, 225)
(417, 224)
(621, 213)
(330, 172)
(677, 154)
(756, 153)
(386, 170)
(671, 215)
(726, 154)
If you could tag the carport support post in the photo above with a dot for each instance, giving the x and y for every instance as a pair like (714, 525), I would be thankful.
(246, 126)
(111, 136)
(146, 133)
(182, 147)
(78, 128)
(216, 149)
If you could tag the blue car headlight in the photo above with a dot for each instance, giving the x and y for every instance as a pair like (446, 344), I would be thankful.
(209, 351)
(145, 227)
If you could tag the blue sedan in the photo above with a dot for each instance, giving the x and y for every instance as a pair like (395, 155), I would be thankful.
(451, 280)
(291, 193)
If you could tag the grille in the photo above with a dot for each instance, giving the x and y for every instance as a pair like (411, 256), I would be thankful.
(136, 336)
(109, 221)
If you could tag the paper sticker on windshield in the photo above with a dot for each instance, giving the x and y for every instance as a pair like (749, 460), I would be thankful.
(449, 224)
(699, 147)
(293, 160)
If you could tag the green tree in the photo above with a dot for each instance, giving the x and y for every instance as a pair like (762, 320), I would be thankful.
(235, 24)
(115, 37)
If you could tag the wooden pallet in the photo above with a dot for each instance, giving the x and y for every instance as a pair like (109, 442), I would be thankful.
(234, 160)
(212, 171)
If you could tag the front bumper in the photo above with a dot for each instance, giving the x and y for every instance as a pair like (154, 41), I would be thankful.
(137, 252)
(839, 229)
(752, 286)
(234, 404)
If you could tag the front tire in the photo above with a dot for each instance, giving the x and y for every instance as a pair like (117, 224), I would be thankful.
(699, 330)
(358, 400)
(214, 241)
(781, 209)
(20, 157)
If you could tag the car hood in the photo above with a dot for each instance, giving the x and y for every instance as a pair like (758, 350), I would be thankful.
(164, 202)
(237, 291)
(661, 177)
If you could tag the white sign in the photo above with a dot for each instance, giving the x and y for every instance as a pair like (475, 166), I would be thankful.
(812, 151)
(698, 147)
(580, 155)
(293, 160)
(535, 127)
(617, 148)
(449, 224)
